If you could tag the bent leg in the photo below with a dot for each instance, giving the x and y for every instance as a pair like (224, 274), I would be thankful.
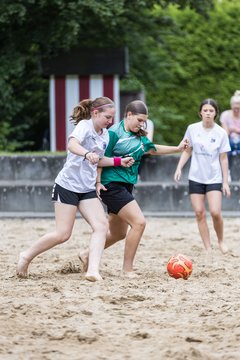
(65, 217)
(198, 204)
(93, 212)
(215, 203)
(131, 214)
(117, 230)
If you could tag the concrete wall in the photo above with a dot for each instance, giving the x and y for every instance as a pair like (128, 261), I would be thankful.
(26, 184)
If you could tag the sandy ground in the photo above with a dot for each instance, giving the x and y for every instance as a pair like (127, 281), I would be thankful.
(55, 314)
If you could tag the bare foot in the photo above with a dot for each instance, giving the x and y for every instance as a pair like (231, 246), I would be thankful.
(22, 266)
(223, 247)
(129, 274)
(93, 277)
(84, 260)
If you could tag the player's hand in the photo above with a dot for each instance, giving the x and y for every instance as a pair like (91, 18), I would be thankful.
(92, 157)
(177, 175)
(184, 145)
(100, 187)
(127, 161)
(226, 190)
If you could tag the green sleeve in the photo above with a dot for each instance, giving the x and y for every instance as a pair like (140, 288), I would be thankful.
(113, 139)
(148, 144)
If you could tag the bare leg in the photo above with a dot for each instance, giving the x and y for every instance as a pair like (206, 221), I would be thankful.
(198, 204)
(132, 214)
(94, 214)
(65, 217)
(117, 231)
(215, 204)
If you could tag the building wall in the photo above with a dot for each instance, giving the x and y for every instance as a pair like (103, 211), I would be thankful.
(65, 92)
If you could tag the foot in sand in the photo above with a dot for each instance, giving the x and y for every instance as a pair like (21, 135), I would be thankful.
(83, 257)
(22, 266)
(93, 277)
(129, 274)
(223, 247)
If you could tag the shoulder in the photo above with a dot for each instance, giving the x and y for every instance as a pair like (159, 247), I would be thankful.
(225, 115)
(83, 124)
(81, 129)
(226, 112)
(113, 128)
(194, 125)
(115, 131)
(220, 129)
(145, 140)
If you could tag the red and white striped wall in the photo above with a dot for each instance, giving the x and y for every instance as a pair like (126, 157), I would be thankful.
(66, 92)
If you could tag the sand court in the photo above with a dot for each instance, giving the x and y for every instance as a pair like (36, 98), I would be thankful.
(57, 314)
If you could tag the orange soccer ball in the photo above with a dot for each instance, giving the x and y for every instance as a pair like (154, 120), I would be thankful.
(179, 267)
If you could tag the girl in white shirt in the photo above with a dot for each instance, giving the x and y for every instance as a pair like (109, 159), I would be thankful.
(75, 185)
(208, 174)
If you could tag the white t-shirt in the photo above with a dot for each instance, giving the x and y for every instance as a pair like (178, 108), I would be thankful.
(206, 145)
(79, 175)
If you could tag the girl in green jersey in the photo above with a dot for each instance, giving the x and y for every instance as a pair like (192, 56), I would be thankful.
(115, 184)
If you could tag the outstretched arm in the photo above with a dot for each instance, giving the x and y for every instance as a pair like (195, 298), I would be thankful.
(182, 161)
(165, 149)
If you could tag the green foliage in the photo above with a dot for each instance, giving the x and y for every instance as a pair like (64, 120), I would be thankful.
(180, 52)
(197, 59)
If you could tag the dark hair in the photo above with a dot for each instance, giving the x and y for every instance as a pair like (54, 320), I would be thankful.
(85, 107)
(137, 107)
(210, 102)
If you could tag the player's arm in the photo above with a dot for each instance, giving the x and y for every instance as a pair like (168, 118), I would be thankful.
(76, 148)
(224, 166)
(165, 149)
(186, 154)
(116, 161)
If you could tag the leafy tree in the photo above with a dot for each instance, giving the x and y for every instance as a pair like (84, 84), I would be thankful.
(196, 57)
(35, 29)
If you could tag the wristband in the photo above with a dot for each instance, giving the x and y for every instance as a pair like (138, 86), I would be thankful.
(84, 158)
(117, 161)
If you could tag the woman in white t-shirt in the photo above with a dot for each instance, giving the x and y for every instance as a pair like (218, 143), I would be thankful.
(208, 174)
(75, 185)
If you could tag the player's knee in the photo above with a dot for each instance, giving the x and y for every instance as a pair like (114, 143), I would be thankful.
(215, 215)
(140, 224)
(200, 215)
(63, 236)
(102, 226)
(121, 235)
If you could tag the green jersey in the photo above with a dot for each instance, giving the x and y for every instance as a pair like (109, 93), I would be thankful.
(122, 144)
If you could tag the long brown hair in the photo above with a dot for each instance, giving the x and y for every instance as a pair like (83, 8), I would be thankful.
(137, 107)
(84, 109)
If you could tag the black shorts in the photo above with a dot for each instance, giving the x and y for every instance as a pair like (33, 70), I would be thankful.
(118, 195)
(64, 196)
(198, 188)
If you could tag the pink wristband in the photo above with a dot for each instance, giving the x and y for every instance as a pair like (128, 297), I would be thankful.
(117, 161)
